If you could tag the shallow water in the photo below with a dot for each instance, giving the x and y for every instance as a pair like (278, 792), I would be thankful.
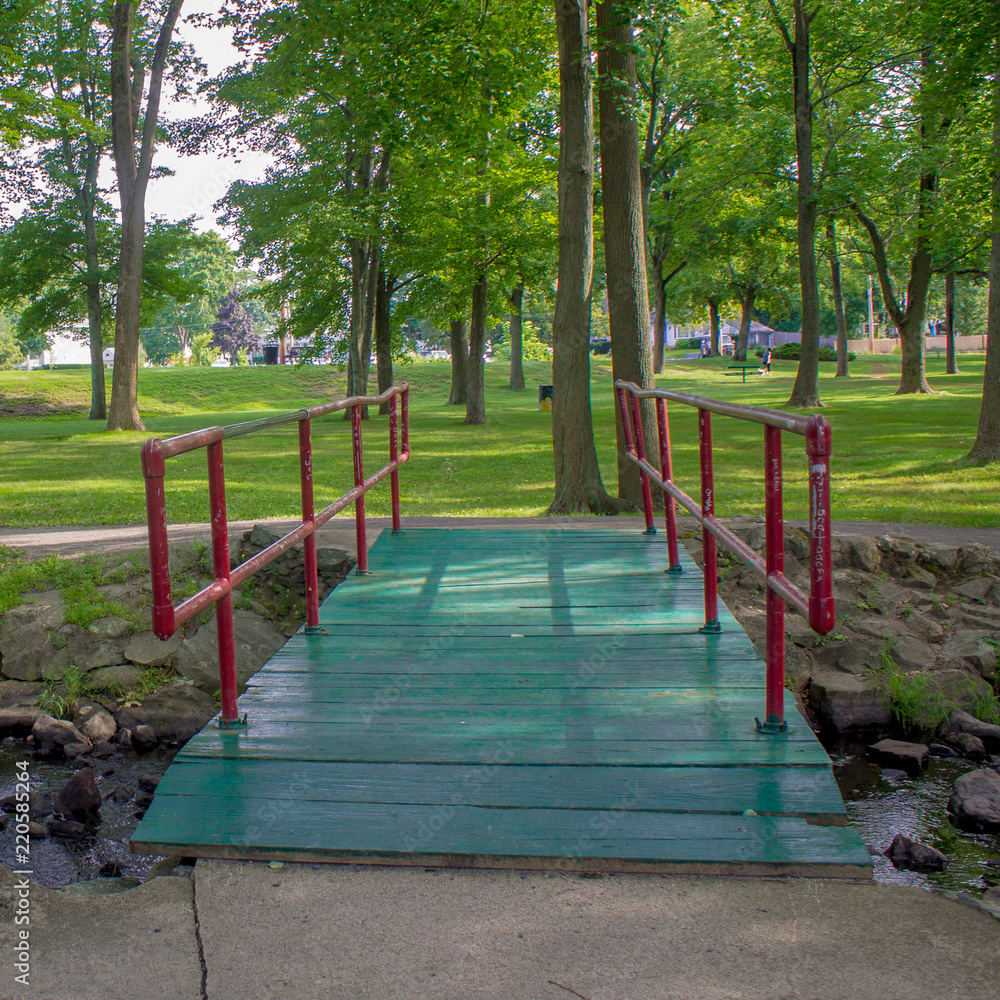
(56, 862)
(883, 801)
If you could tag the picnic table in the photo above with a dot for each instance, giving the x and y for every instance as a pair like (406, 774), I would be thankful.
(743, 369)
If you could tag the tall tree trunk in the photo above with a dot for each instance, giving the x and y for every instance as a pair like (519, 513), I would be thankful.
(805, 391)
(95, 317)
(624, 238)
(713, 328)
(459, 362)
(133, 177)
(383, 334)
(659, 313)
(475, 403)
(516, 347)
(578, 485)
(359, 290)
(843, 368)
(987, 445)
(951, 364)
(748, 296)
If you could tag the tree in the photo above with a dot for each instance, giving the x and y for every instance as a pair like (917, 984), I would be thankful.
(515, 327)
(130, 135)
(578, 485)
(624, 236)
(234, 330)
(833, 254)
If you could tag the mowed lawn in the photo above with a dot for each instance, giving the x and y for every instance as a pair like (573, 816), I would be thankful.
(896, 458)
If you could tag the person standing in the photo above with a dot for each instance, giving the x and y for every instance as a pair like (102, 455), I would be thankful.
(765, 359)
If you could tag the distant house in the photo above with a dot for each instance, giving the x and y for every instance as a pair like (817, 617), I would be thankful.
(108, 357)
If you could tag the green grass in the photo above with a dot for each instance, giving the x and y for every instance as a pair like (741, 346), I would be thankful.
(896, 458)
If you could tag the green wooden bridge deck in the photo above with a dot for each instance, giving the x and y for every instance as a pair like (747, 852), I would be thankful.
(532, 698)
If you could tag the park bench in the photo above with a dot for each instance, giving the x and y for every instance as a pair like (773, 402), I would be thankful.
(743, 369)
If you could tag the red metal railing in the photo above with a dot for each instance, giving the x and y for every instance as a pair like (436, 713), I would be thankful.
(167, 617)
(817, 607)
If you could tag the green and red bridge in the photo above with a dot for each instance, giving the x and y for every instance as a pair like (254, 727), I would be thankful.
(576, 699)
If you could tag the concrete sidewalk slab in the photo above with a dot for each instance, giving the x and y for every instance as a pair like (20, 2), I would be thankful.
(134, 945)
(347, 933)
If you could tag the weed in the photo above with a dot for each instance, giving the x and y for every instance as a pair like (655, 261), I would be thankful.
(53, 704)
(915, 703)
(822, 640)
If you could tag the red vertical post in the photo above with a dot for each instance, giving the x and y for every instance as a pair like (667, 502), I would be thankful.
(393, 457)
(667, 475)
(309, 517)
(708, 546)
(224, 606)
(640, 450)
(822, 616)
(405, 417)
(359, 479)
(153, 470)
(774, 529)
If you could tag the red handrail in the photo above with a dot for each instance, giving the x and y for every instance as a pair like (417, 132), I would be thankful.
(167, 617)
(817, 607)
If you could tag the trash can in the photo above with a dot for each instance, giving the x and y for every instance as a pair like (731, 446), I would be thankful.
(545, 397)
(270, 355)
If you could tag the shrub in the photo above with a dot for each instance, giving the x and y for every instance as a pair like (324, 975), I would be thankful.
(791, 352)
(689, 344)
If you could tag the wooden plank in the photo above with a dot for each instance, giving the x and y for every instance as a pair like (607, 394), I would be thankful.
(781, 791)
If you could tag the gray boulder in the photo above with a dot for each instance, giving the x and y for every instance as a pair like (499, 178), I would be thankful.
(17, 693)
(972, 647)
(845, 701)
(256, 641)
(904, 852)
(974, 804)
(83, 652)
(975, 589)
(176, 712)
(95, 722)
(862, 552)
(148, 651)
(51, 734)
(911, 757)
(28, 647)
(80, 798)
(959, 721)
(912, 654)
(114, 680)
(967, 745)
(18, 719)
(110, 628)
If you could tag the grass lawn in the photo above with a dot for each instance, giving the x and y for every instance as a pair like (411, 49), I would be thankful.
(895, 458)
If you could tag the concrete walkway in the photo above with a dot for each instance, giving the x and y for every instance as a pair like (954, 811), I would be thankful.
(246, 931)
(72, 541)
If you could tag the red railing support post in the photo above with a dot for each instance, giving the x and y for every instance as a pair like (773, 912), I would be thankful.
(667, 474)
(153, 470)
(640, 449)
(822, 615)
(359, 481)
(224, 606)
(309, 517)
(774, 721)
(708, 545)
(393, 458)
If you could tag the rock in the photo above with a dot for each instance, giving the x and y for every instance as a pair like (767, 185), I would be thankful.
(938, 557)
(967, 745)
(940, 750)
(50, 733)
(163, 867)
(102, 886)
(844, 701)
(144, 737)
(80, 798)
(124, 736)
(256, 641)
(19, 719)
(993, 895)
(122, 793)
(39, 805)
(974, 559)
(903, 549)
(38, 831)
(956, 687)
(176, 712)
(912, 654)
(975, 801)
(103, 750)
(911, 757)
(972, 646)
(959, 721)
(924, 627)
(906, 853)
(17, 694)
(115, 679)
(83, 653)
(862, 552)
(976, 589)
(799, 631)
(148, 651)
(28, 647)
(918, 578)
(3, 821)
(149, 783)
(110, 628)
(68, 829)
(95, 722)
(111, 869)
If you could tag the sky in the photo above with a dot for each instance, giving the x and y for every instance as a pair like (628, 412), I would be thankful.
(199, 181)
